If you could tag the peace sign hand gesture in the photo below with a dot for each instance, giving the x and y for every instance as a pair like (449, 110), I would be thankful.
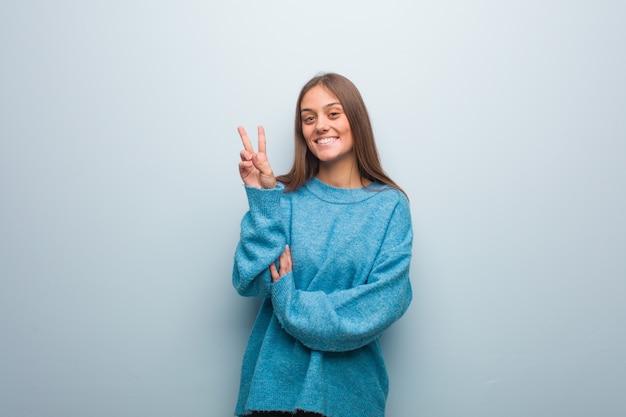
(254, 168)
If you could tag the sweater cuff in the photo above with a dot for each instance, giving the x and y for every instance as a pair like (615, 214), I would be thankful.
(281, 290)
(265, 202)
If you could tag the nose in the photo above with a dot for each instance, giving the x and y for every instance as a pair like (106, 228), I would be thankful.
(321, 124)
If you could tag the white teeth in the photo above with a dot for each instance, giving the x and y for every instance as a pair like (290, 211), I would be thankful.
(326, 140)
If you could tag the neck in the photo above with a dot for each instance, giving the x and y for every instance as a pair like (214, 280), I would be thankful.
(341, 174)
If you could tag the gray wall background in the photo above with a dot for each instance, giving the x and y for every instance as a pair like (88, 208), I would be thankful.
(121, 200)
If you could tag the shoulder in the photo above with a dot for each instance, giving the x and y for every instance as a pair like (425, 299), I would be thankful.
(387, 194)
(393, 205)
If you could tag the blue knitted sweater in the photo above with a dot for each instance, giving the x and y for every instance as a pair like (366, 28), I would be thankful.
(315, 342)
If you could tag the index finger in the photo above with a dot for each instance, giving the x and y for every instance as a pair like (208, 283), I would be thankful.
(247, 145)
(262, 142)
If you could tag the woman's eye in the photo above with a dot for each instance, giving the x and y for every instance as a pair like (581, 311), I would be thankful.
(333, 114)
(308, 119)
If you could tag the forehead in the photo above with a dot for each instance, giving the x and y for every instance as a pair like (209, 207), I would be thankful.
(318, 97)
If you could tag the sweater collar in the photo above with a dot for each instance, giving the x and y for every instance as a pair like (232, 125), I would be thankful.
(332, 194)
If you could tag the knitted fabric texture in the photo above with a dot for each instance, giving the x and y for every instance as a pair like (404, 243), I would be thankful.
(315, 343)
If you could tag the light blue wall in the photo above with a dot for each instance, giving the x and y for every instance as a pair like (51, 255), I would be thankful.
(120, 199)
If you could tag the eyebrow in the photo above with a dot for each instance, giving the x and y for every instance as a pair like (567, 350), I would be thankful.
(325, 107)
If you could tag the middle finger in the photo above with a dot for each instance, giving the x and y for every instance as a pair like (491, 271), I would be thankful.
(247, 145)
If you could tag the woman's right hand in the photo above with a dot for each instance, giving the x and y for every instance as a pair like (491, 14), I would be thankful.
(254, 168)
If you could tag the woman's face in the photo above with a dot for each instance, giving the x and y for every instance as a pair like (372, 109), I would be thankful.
(325, 126)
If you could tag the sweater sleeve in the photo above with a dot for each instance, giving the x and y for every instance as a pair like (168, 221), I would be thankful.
(348, 319)
(261, 242)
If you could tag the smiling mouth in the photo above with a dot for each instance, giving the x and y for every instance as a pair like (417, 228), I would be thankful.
(324, 141)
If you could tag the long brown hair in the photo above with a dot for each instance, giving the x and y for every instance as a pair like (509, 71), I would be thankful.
(306, 165)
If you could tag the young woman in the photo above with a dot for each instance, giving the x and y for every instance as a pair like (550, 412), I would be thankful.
(328, 248)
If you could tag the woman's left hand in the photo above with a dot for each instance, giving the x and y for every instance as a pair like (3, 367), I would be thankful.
(284, 264)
